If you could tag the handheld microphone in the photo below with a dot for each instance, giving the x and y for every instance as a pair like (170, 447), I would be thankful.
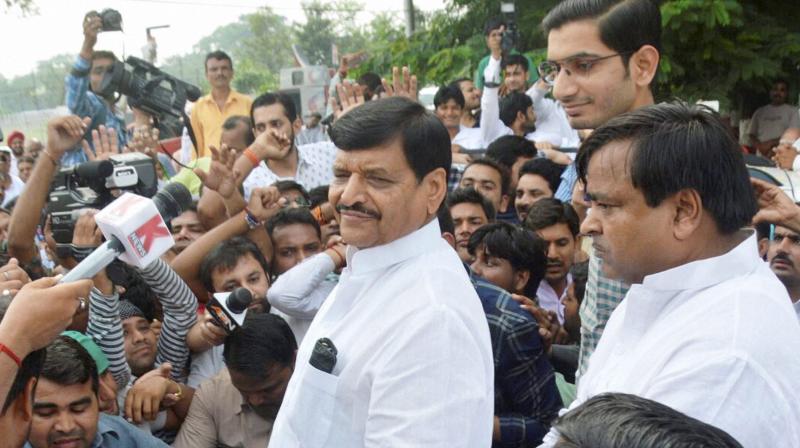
(135, 230)
(230, 309)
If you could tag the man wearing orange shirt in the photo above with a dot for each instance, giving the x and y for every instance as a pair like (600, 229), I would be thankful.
(210, 111)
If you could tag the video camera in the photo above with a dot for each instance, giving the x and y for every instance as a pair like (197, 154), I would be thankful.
(148, 88)
(511, 34)
(94, 185)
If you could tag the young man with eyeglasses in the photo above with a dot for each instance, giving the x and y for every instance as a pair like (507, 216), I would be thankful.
(783, 255)
(602, 57)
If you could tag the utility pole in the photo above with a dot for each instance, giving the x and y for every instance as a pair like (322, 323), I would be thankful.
(409, 17)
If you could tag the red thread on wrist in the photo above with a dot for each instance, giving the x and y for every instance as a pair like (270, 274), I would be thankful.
(4, 348)
(252, 157)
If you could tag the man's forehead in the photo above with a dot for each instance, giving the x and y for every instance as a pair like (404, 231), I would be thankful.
(186, 218)
(467, 210)
(482, 173)
(50, 392)
(785, 231)
(263, 114)
(295, 233)
(382, 158)
(574, 39)
(609, 167)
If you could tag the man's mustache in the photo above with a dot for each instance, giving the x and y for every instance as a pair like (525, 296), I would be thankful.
(782, 257)
(358, 208)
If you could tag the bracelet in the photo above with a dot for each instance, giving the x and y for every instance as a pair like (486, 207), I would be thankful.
(251, 220)
(4, 348)
(50, 156)
(252, 157)
(338, 255)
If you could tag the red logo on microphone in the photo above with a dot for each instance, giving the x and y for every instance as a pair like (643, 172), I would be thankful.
(142, 238)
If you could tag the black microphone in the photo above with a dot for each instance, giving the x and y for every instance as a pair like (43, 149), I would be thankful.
(95, 169)
(229, 311)
(170, 201)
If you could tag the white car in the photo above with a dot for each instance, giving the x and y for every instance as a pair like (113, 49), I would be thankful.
(426, 95)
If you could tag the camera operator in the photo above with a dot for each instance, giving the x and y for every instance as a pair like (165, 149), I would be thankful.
(63, 133)
(493, 31)
(84, 81)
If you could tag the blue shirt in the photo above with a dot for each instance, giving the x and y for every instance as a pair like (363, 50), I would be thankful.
(114, 432)
(84, 103)
(568, 179)
(526, 396)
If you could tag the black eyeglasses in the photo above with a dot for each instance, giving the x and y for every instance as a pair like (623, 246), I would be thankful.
(578, 65)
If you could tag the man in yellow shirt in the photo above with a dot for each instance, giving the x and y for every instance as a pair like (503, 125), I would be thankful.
(210, 111)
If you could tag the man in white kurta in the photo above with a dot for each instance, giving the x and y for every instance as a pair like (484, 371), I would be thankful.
(414, 361)
(706, 328)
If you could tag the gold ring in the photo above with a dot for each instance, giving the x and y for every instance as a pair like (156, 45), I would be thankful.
(81, 304)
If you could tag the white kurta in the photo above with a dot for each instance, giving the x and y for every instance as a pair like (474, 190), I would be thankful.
(414, 365)
(716, 339)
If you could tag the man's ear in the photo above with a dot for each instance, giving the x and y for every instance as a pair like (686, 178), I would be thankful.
(521, 278)
(688, 213)
(23, 405)
(435, 184)
(297, 125)
(504, 203)
(450, 238)
(643, 65)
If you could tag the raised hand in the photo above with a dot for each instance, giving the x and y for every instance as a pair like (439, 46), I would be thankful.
(13, 277)
(403, 84)
(145, 140)
(350, 97)
(775, 206)
(86, 233)
(150, 393)
(271, 144)
(40, 311)
(221, 176)
(264, 202)
(105, 142)
(63, 133)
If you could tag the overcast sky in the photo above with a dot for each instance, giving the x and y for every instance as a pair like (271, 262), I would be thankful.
(57, 26)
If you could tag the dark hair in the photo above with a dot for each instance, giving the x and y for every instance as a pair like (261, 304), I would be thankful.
(218, 54)
(31, 365)
(580, 275)
(446, 224)
(457, 82)
(783, 81)
(762, 230)
(67, 363)
(289, 216)
(103, 54)
(493, 24)
(505, 175)
(616, 420)
(515, 59)
(25, 159)
(137, 291)
(676, 146)
(512, 104)
(286, 185)
(625, 25)
(523, 249)
(226, 255)
(263, 339)
(508, 148)
(470, 195)
(270, 98)
(234, 120)
(548, 212)
(371, 81)
(447, 93)
(546, 168)
(318, 195)
(426, 143)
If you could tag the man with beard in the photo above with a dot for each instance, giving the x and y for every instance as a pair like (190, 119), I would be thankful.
(238, 407)
(211, 111)
(274, 155)
(557, 224)
(472, 101)
(772, 120)
(784, 259)
(16, 141)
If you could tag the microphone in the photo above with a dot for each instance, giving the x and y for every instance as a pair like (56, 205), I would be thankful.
(135, 230)
(230, 309)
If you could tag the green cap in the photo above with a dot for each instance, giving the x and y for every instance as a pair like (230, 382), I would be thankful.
(90, 346)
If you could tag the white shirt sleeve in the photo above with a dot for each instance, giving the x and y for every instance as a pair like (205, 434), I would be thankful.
(492, 127)
(297, 292)
(796, 163)
(542, 106)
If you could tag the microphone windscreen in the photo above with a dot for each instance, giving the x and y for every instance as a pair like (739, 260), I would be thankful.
(172, 200)
(95, 169)
(239, 300)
